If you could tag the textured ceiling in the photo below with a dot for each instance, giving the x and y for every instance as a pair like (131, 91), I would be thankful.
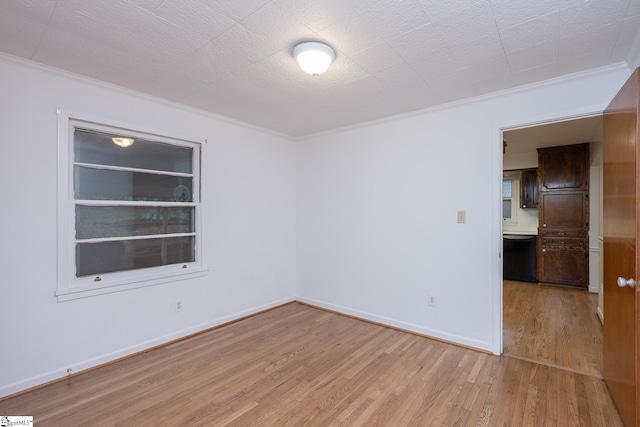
(233, 57)
(568, 132)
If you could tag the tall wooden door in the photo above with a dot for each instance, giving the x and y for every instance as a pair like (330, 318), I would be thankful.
(621, 234)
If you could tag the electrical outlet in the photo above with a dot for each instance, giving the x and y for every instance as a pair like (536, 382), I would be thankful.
(462, 217)
(179, 305)
(432, 300)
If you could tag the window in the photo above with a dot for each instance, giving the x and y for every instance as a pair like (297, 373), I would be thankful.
(507, 198)
(129, 209)
(510, 197)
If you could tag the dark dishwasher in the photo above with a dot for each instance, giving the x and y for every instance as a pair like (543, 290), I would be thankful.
(519, 261)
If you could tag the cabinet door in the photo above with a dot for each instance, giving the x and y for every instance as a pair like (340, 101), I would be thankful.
(563, 210)
(529, 189)
(564, 168)
(564, 266)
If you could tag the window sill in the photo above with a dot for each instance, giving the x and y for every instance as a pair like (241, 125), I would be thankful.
(108, 286)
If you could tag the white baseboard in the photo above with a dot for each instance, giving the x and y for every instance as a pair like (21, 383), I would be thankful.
(433, 333)
(80, 366)
(600, 315)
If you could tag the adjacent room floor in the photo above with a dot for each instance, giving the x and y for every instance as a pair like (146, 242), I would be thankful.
(297, 365)
(552, 326)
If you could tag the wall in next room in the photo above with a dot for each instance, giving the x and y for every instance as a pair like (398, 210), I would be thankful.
(523, 220)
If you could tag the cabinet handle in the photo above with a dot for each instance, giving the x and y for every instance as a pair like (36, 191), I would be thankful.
(544, 250)
(544, 225)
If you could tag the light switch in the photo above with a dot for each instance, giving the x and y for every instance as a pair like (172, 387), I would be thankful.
(462, 217)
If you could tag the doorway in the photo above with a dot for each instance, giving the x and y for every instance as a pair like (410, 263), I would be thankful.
(555, 326)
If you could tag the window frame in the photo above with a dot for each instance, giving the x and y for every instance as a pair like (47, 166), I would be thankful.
(70, 287)
(513, 177)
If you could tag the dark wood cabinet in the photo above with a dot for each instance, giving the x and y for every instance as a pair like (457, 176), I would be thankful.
(564, 168)
(563, 212)
(529, 189)
(563, 209)
(564, 266)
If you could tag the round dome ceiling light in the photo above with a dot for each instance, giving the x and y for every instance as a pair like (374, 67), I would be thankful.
(123, 142)
(314, 57)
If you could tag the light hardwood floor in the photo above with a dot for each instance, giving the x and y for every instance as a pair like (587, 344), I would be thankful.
(301, 366)
(552, 325)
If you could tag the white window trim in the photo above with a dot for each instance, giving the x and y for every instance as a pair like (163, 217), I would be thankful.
(515, 197)
(68, 286)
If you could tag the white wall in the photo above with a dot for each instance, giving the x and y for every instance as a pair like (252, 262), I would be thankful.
(249, 210)
(526, 220)
(526, 160)
(377, 230)
(523, 221)
(595, 210)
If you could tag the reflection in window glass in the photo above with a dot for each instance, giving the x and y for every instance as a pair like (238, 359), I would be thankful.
(112, 256)
(105, 184)
(135, 205)
(119, 221)
(94, 147)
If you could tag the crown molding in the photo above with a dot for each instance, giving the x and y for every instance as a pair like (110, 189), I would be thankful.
(527, 88)
(145, 96)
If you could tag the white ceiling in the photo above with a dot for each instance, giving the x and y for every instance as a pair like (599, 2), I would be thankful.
(556, 134)
(233, 57)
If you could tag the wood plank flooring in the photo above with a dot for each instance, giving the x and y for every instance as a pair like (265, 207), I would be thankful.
(300, 366)
(552, 325)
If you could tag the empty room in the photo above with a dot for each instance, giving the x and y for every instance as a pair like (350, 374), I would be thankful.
(285, 212)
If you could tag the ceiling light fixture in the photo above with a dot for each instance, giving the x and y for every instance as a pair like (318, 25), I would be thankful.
(123, 142)
(314, 57)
